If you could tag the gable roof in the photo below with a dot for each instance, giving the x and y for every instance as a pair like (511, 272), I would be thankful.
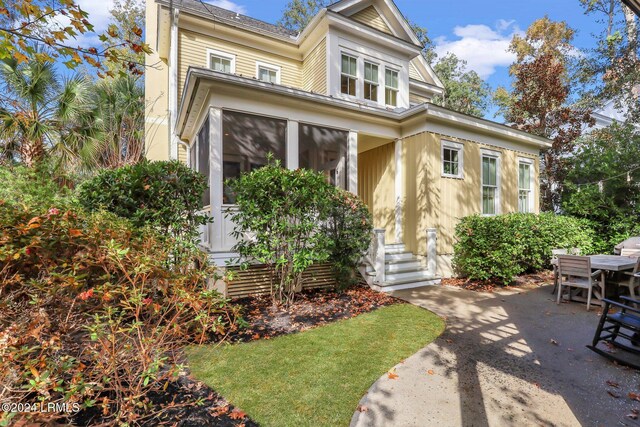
(227, 16)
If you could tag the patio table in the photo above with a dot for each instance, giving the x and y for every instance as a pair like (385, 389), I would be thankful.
(608, 263)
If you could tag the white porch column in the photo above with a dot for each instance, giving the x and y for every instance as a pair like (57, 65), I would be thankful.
(399, 192)
(352, 162)
(215, 176)
(292, 144)
(173, 84)
(432, 266)
(379, 251)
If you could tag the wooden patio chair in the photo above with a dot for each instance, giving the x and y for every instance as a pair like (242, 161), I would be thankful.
(629, 279)
(630, 252)
(574, 271)
(619, 328)
(554, 257)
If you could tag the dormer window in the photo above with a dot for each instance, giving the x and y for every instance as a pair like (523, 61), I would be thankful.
(222, 61)
(391, 87)
(348, 75)
(370, 81)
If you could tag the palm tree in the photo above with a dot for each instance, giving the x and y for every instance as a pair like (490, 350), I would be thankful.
(119, 108)
(41, 115)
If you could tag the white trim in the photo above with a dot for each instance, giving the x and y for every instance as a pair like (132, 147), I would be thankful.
(444, 144)
(352, 162)
(224, 55)
(356, 77)
(531, 163)
(366, 61)
(399, 191)
(173, 85)
(269, 67)
(495, 155)
(395, 89)
(215, 177)
(292, 144)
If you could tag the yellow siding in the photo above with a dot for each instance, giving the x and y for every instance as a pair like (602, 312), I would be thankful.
(436, 202)
(314, 69)
(370, 16)
(376, 186)
(417, 99)
(193, 52)
(413, 72)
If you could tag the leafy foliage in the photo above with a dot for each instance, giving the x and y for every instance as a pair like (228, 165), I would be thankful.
(40, 113)
(349, 229)
(298, 13)
(540, 100)
(163, 195)
(465, 91)
(25, 24)
(90, 313)
(610, 72)
(504, 246)
(278, 223)
(610, 154)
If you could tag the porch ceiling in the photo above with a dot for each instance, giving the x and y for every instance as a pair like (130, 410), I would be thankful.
(369, 142)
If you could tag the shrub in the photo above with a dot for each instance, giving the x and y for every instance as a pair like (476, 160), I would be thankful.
(278, 223)
(165, 195)
(90, 315)
(349, 229)
(34, 186)
(504, 246)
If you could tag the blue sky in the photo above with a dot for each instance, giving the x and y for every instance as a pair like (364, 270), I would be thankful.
(477, 31)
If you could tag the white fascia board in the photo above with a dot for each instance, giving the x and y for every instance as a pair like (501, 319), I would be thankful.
(414, 119)
(427, 68)
(424, 88)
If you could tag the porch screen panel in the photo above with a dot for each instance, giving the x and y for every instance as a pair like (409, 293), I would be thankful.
(324, 150)
(203, 159)
(246, 141)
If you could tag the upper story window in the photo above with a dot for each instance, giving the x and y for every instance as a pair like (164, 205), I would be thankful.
(525, 185)
(490, 183)
(452, 159)
(370, 81)
(391, 87)
(222, 61)
(268, 73)
(348, 75)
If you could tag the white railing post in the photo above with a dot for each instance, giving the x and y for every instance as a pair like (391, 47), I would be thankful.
(379, 254)
(432, 263)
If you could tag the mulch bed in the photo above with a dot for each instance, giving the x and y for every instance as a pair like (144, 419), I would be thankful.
(523, 281)
(190, 403)
(311, 308)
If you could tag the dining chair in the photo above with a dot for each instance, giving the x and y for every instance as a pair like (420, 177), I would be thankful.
(630, 252)
(554, 263)
(630, 278)
(574, 271)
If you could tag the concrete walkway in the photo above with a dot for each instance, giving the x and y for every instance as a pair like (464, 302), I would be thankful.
(510, 358)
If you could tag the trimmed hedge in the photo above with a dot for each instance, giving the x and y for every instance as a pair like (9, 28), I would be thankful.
(503, 246)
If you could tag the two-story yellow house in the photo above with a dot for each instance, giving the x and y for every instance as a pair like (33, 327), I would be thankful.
(349, 96)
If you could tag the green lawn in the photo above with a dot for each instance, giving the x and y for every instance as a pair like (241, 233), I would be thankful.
(316, 377)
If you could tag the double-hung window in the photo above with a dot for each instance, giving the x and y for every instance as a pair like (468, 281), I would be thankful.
(391, 87)
(452, 159)
(490, 184)
(525, 186)
(348, 75)
(221, 61)
(268, 73)
(370, 81)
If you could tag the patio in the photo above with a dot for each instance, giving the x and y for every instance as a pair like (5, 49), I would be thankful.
(512, 357)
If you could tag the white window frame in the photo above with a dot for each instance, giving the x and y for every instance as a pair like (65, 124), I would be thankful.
(365, 81)
(221, 54)
(269, 67)
(531, 163)
(396, 90)
(496, 155)
(356, 77)
(450, 145)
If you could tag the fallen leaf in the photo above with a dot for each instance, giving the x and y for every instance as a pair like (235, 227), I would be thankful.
(449, 341)
(392, 374)
(613, 394)
(613, 384)
(255, 336)
(362, 408)
(554, 342)
(633, 415)
(430, 372)
(634, 396)
(237, 414)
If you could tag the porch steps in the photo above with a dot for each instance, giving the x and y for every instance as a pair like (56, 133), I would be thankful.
(403, 270)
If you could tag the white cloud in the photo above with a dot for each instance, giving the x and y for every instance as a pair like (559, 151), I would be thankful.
(99, 16)
(229, 5)
(484, 48)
